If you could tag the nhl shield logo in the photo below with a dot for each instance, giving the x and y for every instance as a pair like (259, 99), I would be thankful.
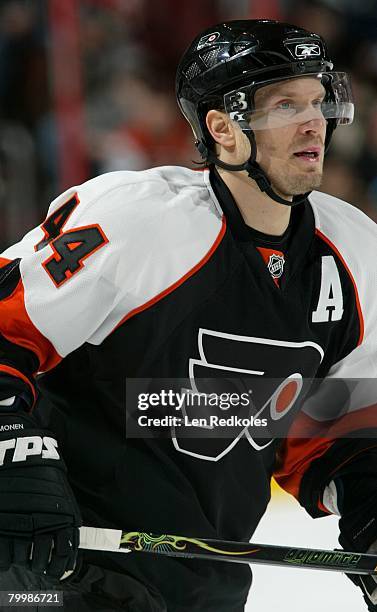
(276, 265)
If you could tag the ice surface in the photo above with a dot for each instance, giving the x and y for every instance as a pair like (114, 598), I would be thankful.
(278, 589)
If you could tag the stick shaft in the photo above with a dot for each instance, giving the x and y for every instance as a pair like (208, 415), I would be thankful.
(114, 540)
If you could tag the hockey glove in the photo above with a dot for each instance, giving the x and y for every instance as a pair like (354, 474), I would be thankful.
(39, 517)
(357, 498)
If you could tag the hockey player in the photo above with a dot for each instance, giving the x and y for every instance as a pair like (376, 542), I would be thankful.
(239, 270)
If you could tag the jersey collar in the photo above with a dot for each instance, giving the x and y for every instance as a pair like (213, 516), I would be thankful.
(302, 225)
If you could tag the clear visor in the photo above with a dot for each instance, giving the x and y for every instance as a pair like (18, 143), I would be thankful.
(293, 101)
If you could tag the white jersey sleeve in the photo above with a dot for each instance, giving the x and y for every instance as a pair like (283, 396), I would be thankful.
(107, 248)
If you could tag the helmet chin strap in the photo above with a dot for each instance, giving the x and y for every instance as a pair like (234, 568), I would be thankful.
(252, 168)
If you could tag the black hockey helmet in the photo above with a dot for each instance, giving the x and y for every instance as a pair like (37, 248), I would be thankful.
(225, 65)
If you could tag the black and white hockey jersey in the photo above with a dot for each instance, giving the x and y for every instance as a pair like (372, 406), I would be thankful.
(154, 275)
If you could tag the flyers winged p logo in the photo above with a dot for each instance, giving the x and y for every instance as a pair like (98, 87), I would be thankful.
(274, 374)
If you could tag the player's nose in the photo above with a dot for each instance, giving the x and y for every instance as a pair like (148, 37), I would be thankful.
(314, 125)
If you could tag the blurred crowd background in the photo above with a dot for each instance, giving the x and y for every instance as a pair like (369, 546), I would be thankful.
(87, 86)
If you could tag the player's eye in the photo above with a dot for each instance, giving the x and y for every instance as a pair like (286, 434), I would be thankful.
(285, 106)
(288, 107)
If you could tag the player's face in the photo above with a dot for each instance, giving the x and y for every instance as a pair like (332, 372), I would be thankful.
(291, 144)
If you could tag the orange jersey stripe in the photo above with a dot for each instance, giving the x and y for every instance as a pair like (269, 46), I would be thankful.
(13, 372)
(297, 455)
(4, 262)
(299, 452)
(17, 327)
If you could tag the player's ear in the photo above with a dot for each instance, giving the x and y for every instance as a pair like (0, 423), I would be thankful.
(221, 128)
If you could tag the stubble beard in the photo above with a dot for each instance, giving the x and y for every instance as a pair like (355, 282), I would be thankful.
(295, 184)
(287, 180)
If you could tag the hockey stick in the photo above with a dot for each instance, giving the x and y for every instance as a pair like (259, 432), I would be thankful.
(114, 540)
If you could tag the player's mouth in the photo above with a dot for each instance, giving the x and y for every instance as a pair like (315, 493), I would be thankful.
(309, 155)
